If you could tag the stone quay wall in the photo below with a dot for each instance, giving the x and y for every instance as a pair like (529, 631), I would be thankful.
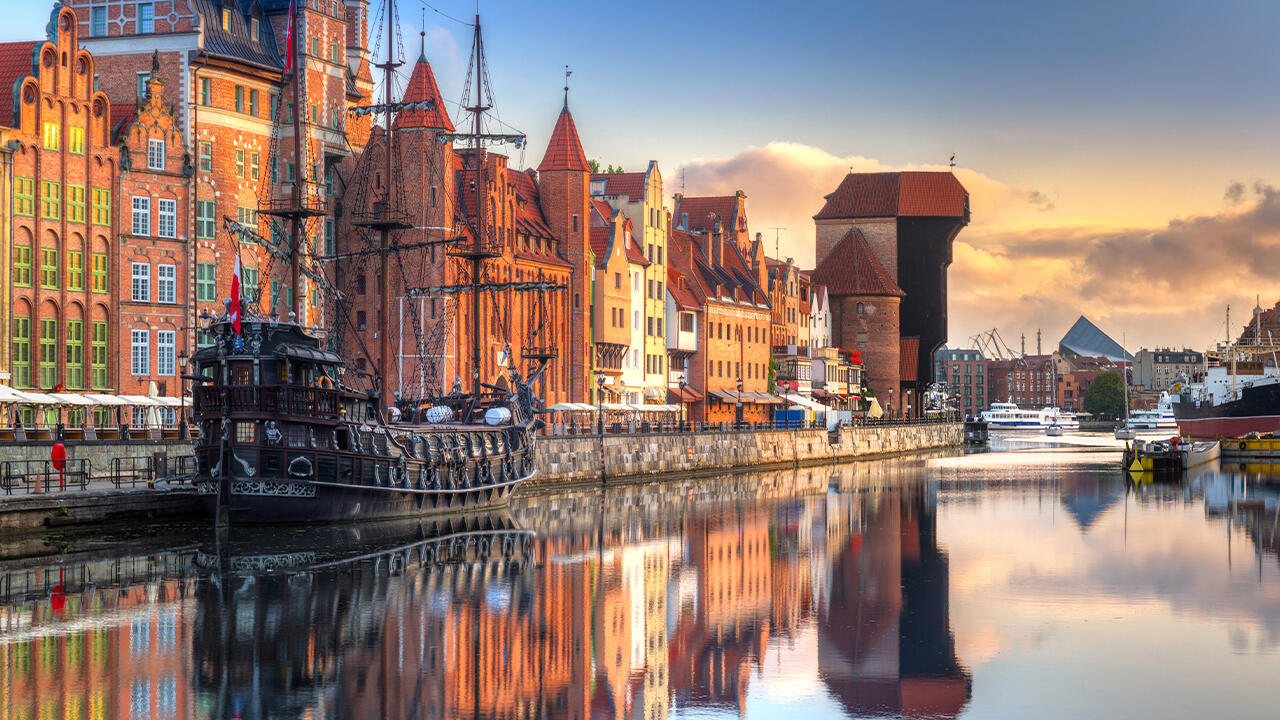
(99, 454)
(574, 459)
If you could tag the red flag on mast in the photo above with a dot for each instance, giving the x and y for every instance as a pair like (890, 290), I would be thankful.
(288, 60)
(235, 297)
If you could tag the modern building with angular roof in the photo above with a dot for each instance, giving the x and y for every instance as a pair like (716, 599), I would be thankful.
(1087, 340)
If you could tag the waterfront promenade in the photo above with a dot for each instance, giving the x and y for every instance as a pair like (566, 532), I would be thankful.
(105, 482)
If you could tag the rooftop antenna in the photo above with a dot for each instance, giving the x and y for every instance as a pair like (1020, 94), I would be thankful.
(681, 179)
(777, 236)
(1037, 341)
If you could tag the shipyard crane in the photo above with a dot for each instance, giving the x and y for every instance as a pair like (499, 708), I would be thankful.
(991, 345)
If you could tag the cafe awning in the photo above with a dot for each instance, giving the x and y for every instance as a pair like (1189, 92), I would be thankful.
(684, 394)
(571, 407)
(71, 399)
(140, 401)
(36, 398)
(100, 399)
(297, 352)
(805, 402)
(168, 401)
(9, 395)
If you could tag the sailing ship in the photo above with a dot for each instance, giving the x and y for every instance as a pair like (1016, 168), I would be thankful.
(286, 434)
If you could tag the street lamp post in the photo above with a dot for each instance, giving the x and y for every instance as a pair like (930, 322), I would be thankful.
(684, 402)
(738, 404)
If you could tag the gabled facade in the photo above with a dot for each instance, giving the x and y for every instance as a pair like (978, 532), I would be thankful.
(731, 363)
(638, 196)
(65, 171)
(784, 299)
(152, 268)
(683, 316)
(611, 310)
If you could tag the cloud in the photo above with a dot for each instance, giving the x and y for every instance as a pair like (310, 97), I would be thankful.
(1165, 285)
(786, 182)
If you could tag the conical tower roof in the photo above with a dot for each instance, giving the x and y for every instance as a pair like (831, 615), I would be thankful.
(422, 86)
(564, 152)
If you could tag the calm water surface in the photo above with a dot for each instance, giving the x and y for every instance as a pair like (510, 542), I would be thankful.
(1035, 583)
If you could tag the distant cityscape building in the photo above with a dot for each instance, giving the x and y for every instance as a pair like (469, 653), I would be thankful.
(1159, 369)
(964, 372)
(1088, 340)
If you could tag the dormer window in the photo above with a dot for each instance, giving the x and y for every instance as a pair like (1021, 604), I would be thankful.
(255, 29)
(597, 186)
(226, 19)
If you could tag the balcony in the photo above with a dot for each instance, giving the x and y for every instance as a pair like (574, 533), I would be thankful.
(287, 401)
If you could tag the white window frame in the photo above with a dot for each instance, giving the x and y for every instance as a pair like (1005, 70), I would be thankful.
(141, 215)
(167, 283)
(167, 209)
(166, 351)
(141, 286)
(155, 154)
(139, 352)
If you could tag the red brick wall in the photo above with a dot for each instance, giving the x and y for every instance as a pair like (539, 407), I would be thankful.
(62, 95)
(564, 197)
(874, 332)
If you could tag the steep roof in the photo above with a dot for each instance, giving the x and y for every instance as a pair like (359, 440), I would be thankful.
(630, 184)
(422, 87)
(896, 194)
(1085, 338)
(121, 117)
(234, 42)
(635, 254)
(564, 151)
(851, 268)
(682, 296)
(704, 211)
(15, 63)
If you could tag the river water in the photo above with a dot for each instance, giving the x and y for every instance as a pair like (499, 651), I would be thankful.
(1036, 582)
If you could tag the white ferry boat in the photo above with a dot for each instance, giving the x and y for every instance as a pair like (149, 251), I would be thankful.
(1157, 418)
(1008, 416)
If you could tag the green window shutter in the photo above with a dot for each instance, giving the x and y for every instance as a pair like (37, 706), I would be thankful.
(21, 351)
(75, 354)
(75, 270)
(24, 196)
(98, 356)
(48, 269)
(206, 282)
(99, 272)
(48, 352)
(50, 200)
(22, 265)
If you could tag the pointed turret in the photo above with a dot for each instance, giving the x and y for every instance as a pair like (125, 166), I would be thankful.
(564, 152)
(422, 86)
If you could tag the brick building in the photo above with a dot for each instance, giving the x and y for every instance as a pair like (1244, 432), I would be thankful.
(1029, 381)
(784, 300)
(223, 68)
(908, 220)
(153, 272)
(865, 303)
(65, 171)
(1075, 373)
(730, 366)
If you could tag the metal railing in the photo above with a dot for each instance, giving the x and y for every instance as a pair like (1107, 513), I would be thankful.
(650, 428)
(41, 476)
(308, 402)
(151, 469)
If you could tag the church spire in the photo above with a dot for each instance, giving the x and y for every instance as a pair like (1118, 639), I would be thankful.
(564, 152)
(422, 86)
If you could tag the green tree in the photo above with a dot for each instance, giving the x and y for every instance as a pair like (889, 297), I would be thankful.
(1105, 395)
(594, 165)
(773, 376)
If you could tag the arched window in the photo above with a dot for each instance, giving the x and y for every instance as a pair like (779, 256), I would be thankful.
(861, 309)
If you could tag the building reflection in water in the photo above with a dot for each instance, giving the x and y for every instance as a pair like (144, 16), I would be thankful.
(628, 602)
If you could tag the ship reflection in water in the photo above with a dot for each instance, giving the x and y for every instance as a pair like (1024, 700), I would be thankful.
(936, 587)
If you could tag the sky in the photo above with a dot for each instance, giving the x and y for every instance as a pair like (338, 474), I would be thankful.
(1121, 157)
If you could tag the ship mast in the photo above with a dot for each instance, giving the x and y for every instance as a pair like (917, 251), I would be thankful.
(478, 157)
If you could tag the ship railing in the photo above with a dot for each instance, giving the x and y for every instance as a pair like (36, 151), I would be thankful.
(297, 401)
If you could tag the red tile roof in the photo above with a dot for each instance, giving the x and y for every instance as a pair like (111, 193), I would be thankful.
(851, 268)
(603, 212)
(564, 151)
(908, 358)
(600, 243)
(422, 86)
(684, 299)
(630, 184)
(932, 194)
(121, 117)
(15, 62)
(896, 194)
(704, 211)
(635, 254)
